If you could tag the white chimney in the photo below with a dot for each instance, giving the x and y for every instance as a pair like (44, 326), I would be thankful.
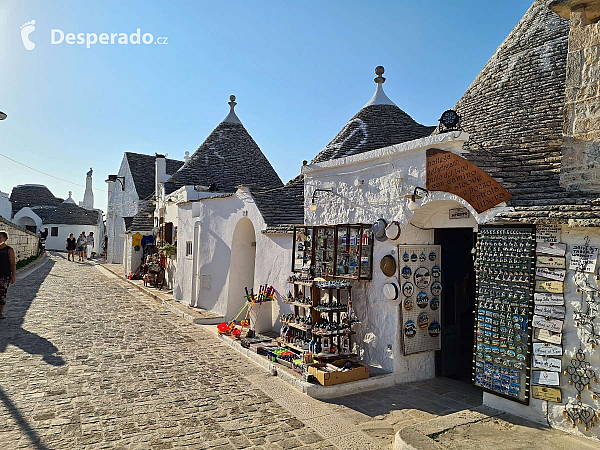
(160, 174)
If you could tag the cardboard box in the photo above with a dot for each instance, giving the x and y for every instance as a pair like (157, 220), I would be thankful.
(331, 378)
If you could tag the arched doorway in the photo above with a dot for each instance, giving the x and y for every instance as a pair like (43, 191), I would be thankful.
(27, 223)
(241, 269)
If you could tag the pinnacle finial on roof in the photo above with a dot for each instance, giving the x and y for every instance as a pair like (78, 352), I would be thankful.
(379, 72)
(379, 98)
(232, 117)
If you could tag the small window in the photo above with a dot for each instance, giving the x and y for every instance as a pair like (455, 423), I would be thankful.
(188, 248)
(54, 231)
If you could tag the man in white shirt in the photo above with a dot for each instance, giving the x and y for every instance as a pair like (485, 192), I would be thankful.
(90, 245)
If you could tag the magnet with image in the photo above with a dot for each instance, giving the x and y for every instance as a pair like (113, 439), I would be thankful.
(406, 272)
(434, 329)
(436, 288)
(408, 289)
(423, 321)
(422, 299)
(410, 329)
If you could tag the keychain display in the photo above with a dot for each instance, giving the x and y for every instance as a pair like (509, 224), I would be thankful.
(505, 281)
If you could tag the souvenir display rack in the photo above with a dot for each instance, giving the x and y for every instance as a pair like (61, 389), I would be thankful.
(505, 271)
(322, 320)
(334, 251)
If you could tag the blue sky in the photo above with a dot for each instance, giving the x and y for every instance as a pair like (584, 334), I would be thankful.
(300, 71)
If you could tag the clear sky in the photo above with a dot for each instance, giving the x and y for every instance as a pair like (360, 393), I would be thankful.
(300, 71)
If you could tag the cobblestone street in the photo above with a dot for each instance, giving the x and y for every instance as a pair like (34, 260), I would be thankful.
(86, 362)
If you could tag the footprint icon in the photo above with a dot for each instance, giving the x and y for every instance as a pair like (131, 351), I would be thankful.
(26, 30)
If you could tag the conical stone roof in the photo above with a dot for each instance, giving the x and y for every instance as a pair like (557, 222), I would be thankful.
(378, 124)
(228, 158)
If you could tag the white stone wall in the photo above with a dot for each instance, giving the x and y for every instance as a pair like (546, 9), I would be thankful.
(548, 412)
(60, 242)
(5, 206)
(24, 243)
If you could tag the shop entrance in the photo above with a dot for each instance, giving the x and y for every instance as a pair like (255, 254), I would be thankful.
(454, 360)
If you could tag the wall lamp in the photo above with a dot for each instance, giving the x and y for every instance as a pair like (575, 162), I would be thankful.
(313, 204)
(412, 204)
(113, 178)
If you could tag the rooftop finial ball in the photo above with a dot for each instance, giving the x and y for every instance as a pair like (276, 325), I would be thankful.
(232, 98)
(379, 70)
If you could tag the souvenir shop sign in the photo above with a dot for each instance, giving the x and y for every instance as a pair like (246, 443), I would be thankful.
(420, 272)
(545, 349)
(547, 233)
(551, 312)
(458, 213)
(545, 378)
(553, 325)
(449, 172)
(551, 274)
(551, 337)
(551, 287)
(551, 248)
(546, 393)
(542, 298)
(545, 363)
(551, 262)
(583, 258)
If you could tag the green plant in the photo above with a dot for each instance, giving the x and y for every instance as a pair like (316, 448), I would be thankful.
(169, 250)
(24, 262)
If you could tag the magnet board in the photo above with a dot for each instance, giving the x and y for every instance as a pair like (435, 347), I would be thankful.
(420, 272)
(505, 272)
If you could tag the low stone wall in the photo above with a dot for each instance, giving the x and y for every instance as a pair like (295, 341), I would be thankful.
(24, 243)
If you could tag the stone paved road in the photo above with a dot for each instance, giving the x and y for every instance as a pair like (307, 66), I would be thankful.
(86, 362)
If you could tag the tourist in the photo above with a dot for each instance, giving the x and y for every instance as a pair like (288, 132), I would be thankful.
(71, 246)
(43, 237)
(90, 245)
(81, 243)
(8, 269)
(105, 246)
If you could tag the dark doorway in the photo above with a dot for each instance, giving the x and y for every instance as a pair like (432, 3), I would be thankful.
(31, 228)
(455, 360)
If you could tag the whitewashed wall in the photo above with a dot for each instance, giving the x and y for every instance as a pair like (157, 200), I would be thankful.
(60, 242)
(548, 412)
(5, 206)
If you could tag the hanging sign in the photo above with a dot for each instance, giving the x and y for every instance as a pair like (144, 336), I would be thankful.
(551, 262)
(545, 349)
(551, 337)
(545, 378)
(583, 258)
(458, 213)
(547, 233)
(547, 324)
(552, 287)
(541, 298)
(546, 393)
(549, 364)
(550, 312)
(449, 172)
(551, 248)
(552, 274)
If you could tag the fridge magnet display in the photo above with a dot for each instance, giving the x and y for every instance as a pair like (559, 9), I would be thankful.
(545, 349)
(422, 299)
(551, 274)
(409, 304)
(410, 329)
(546, 393)
(436, 288)
(432, 256)
(548, 336)
(423, 321)
(406, 272)
(422, 277)
(551, 262)
(408, 289)
(434, 303)
(551, 248)
(436, 271)
(434, 329)
(545, 378)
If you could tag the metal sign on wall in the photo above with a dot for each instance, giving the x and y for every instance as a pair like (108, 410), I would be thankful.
(449, 172)
(420, 275)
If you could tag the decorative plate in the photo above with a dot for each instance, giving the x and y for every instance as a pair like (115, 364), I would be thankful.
(436, 288)
(422, 277)
(410, 329)
(422, 299)
(435, 303)
(406, 257)
(432, 256)
(406, 272)
(436, 271)
(423, 321)
(408, 289)
(409, 304)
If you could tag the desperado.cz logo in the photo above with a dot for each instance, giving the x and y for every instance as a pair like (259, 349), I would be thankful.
(58, 36)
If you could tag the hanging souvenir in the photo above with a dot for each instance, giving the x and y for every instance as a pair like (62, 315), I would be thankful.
(414, 257)
(388, 265)
(436, 288)
(436, 271)
(432, 256)
(408, 289)
(434, 304)
(422, 257)
(423, 321)
(406, 257)
(422, 299)
(406, 272)
(410, 329)
(434, 329)
(408, 304)
(422, 277)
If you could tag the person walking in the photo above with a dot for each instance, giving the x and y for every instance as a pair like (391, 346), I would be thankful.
(90, 245)
(8, 270)
(71, 246)
(105, 246)
(81, 243)
(43, 237)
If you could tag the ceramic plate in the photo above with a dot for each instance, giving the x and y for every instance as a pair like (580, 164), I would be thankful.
(408, 289)
(422, 299)
(422, 277)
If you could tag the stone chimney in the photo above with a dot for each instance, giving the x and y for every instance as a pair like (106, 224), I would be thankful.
(580, 167)
(160, 174)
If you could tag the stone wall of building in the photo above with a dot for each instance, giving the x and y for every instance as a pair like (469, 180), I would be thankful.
(580, 168)
(24, 243)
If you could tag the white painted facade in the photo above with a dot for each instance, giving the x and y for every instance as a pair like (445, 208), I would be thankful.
(5, 206)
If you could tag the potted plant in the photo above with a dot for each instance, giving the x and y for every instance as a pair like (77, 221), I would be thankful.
(169, 250)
